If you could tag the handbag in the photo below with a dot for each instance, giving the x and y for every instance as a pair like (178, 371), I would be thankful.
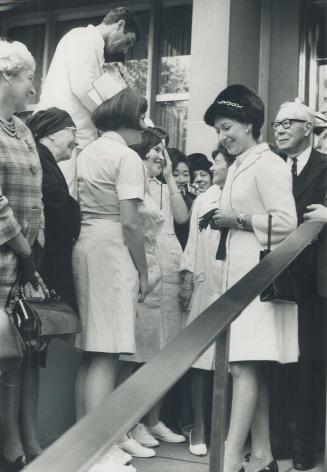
(55, 316)
(12, 345)
(283, 289)
(39, 318)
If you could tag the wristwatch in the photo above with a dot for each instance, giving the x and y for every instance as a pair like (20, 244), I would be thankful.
(240, 220)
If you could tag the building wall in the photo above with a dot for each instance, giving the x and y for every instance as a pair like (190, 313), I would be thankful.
(209, 69)
(244, 43)
(284, 55)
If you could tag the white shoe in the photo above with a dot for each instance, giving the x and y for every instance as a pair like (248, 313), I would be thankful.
(142, 435)
(136, 449)
(116, 454)
(111, 466)
(197, 449)
(160, 431)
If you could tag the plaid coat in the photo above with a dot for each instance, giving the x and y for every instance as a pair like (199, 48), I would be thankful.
(21, 206)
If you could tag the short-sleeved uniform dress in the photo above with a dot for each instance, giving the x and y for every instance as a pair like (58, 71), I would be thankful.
(105, 277)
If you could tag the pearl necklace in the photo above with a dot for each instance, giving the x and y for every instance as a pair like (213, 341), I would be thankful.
(9, 127)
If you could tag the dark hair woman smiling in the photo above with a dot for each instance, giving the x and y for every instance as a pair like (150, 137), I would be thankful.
(258, 184)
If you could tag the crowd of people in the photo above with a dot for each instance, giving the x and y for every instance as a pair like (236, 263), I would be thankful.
(139, 239)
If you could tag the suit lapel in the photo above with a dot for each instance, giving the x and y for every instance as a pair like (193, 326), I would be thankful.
(310, 171)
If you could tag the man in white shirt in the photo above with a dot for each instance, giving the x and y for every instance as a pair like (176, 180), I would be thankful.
(79, 60)
(293, 130)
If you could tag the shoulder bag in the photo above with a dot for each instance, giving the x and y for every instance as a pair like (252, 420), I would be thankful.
(283, 289)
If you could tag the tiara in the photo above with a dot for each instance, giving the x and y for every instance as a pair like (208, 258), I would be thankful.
(230, 104)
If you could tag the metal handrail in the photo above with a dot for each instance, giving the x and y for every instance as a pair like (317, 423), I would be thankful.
(81, 446)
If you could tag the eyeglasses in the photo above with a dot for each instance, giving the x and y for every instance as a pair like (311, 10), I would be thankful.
(286, 124)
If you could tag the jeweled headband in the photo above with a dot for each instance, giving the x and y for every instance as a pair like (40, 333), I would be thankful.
(230, 104)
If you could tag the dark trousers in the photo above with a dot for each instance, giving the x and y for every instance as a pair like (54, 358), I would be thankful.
(309, 379)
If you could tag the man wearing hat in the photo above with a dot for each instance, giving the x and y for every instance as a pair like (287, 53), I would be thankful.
(293, 130)
(78, 61)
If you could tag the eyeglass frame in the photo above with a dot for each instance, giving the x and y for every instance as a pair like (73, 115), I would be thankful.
(276, 124)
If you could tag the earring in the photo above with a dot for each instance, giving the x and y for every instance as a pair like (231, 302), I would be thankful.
(247, 130)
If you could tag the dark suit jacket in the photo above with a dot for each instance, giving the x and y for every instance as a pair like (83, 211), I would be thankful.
(62, 226)
(310, 187)
(322, 260)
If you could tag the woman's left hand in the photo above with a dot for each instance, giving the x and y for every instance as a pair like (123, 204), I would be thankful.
(316, 213)
(224, 219)
(167, 169)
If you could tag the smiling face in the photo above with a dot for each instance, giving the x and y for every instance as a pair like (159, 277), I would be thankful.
(294, 140)
(21, 88)
(202, 179)
(155, 160)
(119, 41)
(219, 170)
(236, 137)
(64, 142)
(182, 175)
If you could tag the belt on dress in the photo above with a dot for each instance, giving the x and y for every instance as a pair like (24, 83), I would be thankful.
(99, 216)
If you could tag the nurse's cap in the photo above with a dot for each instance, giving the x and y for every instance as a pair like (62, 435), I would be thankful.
(105, 87)
(298, 106)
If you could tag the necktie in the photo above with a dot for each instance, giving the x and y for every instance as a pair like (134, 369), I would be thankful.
(221, 251)
(294, 168)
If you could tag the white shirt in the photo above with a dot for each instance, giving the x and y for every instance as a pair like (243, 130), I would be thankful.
(78, 60)
(302, 159)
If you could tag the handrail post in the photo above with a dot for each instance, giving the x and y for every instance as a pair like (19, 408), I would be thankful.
(219, 403)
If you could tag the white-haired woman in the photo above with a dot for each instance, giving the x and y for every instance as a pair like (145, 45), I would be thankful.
(21, 223)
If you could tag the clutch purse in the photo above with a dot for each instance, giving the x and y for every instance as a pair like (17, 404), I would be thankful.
(283, 289)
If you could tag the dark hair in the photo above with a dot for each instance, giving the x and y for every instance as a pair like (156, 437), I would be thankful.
(131, 22)
(143, 105)
(176, 157)
(221, 150)
(150, 139)
(198, 161)
(123, 110)
(161, 133)
(239, 103)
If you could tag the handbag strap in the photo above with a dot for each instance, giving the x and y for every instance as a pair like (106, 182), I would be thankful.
(269, 231)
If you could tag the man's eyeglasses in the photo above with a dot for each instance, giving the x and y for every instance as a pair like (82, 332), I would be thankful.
(286, 124)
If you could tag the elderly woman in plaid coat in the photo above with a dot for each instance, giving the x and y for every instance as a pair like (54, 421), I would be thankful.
(21, 227)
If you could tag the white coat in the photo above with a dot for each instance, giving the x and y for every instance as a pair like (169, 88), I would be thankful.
(259, 182)
(200, 258)
(77, 62)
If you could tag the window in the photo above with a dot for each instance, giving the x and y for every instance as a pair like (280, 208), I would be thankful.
(169, 61)
(174, 72)
(33, 36)
(322, 59)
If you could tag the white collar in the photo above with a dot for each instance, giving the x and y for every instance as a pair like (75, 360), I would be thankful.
(302, 159)
(114, 136)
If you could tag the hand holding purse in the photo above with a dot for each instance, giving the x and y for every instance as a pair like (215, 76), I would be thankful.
(283, 289)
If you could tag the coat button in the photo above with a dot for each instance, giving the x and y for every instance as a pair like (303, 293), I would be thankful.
(33, 169)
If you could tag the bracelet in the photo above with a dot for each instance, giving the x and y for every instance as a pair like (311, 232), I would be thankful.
(175, 193)
(187, 287)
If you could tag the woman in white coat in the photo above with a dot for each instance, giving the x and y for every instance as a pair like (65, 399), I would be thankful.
(201, 286)
(258, 183)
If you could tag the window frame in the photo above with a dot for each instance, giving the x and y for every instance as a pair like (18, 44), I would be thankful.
(51, 18)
